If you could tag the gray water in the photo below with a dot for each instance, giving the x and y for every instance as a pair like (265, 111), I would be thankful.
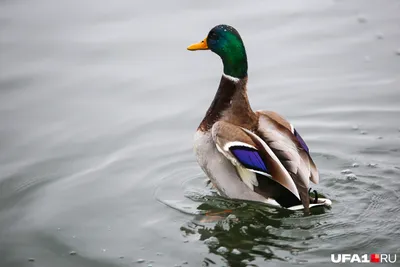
(99, 101)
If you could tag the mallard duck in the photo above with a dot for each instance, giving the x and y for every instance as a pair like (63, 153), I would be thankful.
(256, 156)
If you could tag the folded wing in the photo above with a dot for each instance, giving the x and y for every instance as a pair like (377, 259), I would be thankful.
(254, 160)
(291, 150)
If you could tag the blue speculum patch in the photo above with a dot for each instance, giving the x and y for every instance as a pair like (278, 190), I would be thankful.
(249, 157)
(301, 141)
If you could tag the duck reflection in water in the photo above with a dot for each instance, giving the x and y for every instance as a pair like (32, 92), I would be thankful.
(241, 231)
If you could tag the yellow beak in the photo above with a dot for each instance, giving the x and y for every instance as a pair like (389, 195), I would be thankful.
(199, 46)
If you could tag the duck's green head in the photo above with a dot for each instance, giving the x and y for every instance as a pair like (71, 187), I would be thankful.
(226, 42)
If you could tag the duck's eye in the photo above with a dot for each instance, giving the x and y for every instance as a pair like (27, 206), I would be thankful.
(212, 41)
(214, 35)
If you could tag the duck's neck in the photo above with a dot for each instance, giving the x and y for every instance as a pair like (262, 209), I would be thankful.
(235, 64)
(230, 104)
